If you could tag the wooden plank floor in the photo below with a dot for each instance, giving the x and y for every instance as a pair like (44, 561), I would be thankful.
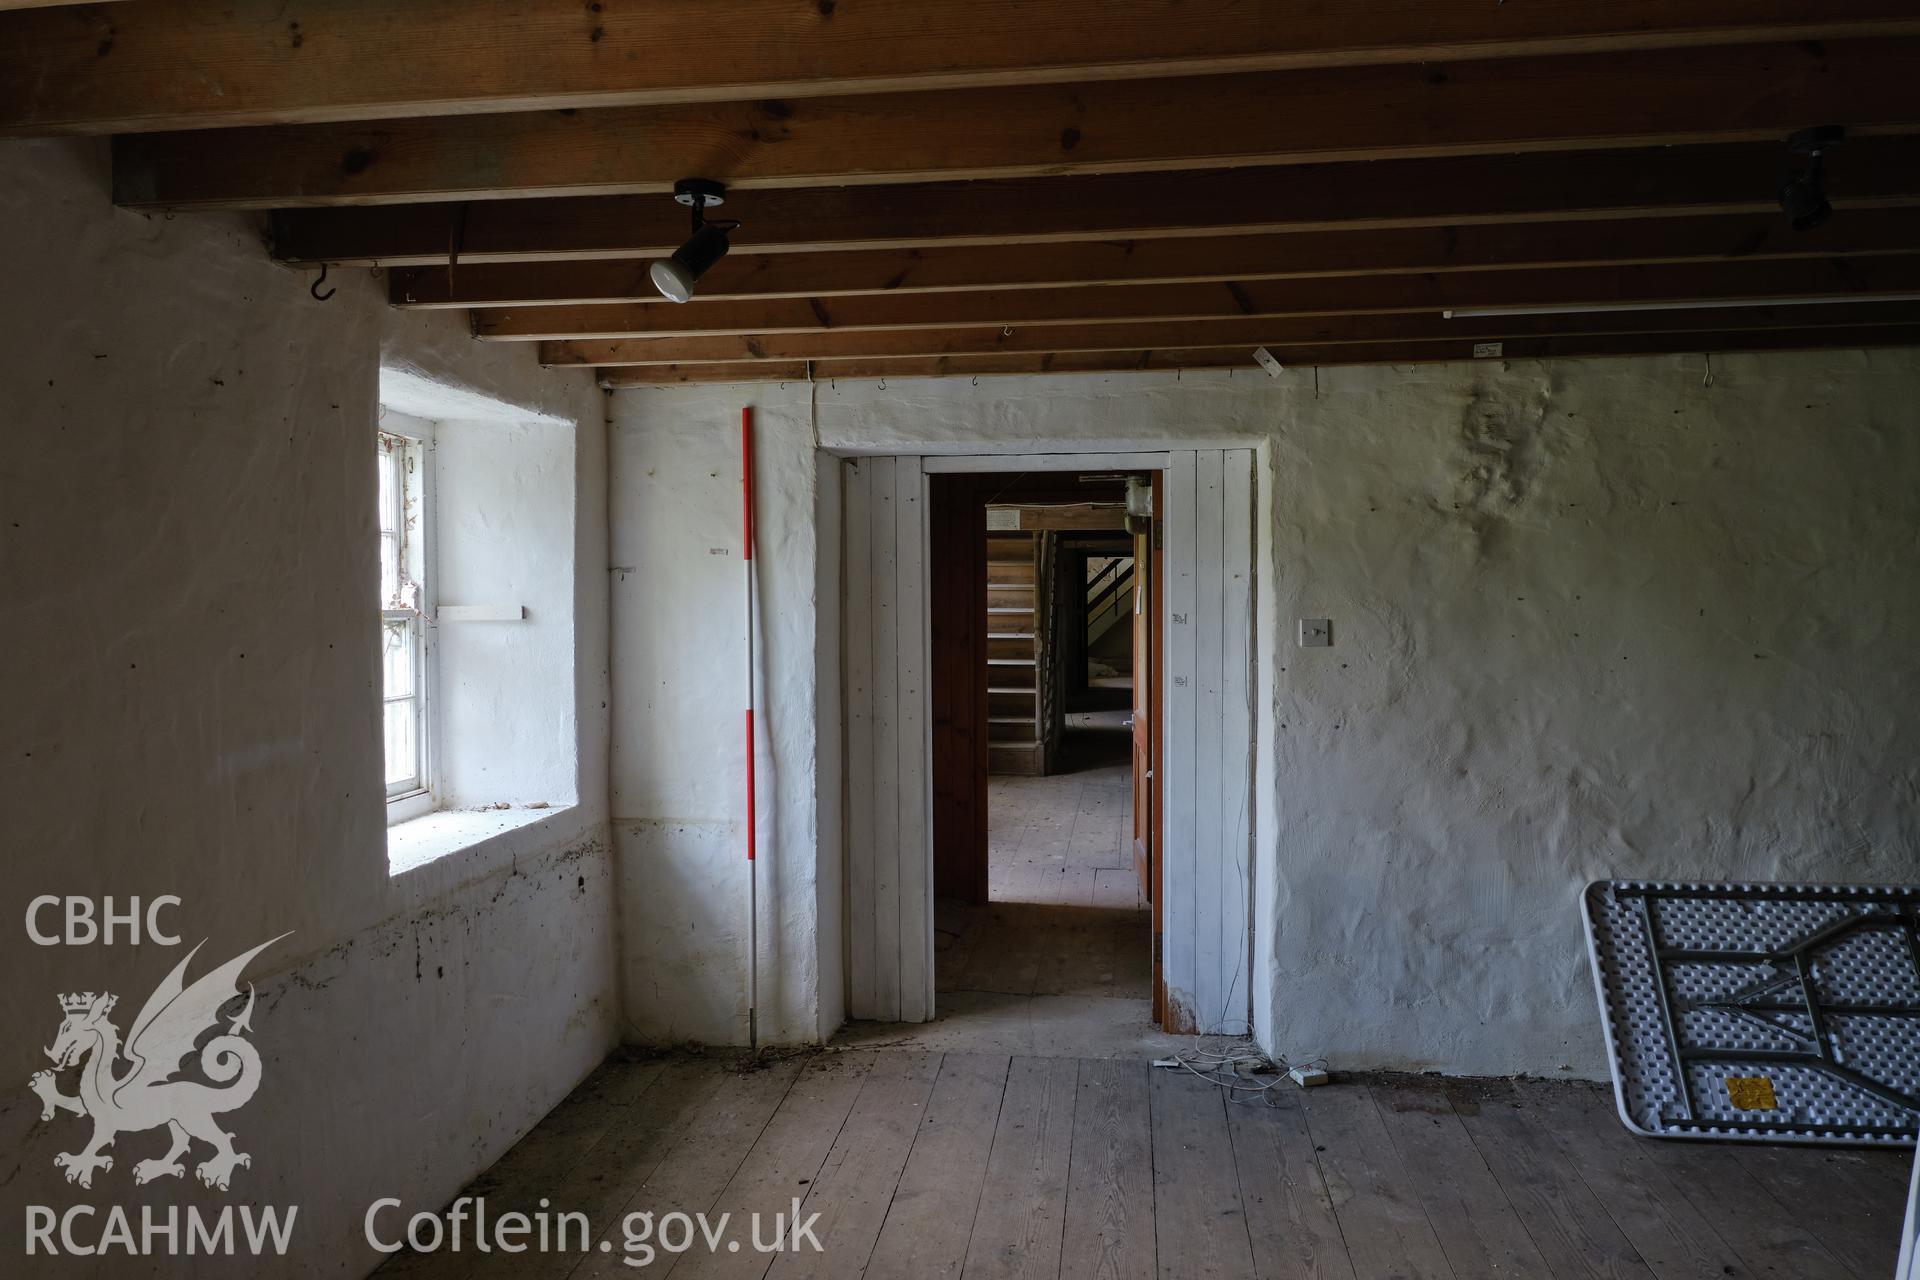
(984, 1165)
(1065, 915)
(1059, 962)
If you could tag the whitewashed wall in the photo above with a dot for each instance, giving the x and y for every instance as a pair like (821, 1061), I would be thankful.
(1548, 581)
(504, 510)
(190, 702)
(679, 688)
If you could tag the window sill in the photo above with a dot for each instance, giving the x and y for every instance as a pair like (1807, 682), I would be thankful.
(423, 840)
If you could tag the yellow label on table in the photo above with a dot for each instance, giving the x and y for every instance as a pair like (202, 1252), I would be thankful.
(1751, 1093)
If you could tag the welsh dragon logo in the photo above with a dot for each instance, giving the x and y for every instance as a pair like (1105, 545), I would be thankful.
(147, 1095)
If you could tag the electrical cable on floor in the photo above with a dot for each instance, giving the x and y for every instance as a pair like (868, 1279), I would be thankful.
(1243, 1073)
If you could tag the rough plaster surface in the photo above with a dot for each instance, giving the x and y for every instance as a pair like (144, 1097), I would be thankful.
(1591, 618)
(188, 551)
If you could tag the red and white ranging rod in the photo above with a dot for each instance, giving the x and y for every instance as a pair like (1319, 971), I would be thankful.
(753, 877)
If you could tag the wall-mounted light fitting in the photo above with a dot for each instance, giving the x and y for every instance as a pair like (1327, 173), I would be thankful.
(1803, 196)
(676, 276)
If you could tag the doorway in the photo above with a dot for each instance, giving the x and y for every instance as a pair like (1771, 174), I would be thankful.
(917, 736)
(1042, 908)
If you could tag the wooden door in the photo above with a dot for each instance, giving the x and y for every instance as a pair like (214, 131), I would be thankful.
(957, 618)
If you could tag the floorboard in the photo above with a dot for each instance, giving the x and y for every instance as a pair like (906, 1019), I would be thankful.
(1290, 1219)
(1567, 1222)
(1200, 1226)
(1385, 1226)
(785, 1160)
(1658, 1221)
(1831, 1195)
(697, 1169)
(1477, 1226)
(931, 1218)
(1023, 1206)
(1110, 1230)
(856, 1184)
(1716, 1180)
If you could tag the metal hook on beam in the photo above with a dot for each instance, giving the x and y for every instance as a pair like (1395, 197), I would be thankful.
(319, 280)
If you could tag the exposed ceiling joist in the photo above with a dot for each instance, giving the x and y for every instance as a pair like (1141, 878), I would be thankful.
(1300, 255)
(1489, 190)
(178, 64)
(1569, 102)
(1357, 295)
(1237, 358)
(1243, 333)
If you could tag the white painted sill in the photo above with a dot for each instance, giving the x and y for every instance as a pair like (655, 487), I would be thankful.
(419, 841)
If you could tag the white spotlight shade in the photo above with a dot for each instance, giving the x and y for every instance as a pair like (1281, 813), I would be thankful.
(673, 281)
(675, 277)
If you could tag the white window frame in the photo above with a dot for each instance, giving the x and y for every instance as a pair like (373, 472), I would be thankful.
(406, 450)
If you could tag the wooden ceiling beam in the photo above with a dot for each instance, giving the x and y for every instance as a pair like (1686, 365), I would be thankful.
(1243, 333)
(1572, 102)
(177, 64)
(1465, 190)
(1301, 255)
(1238, 359)
(1355, 295)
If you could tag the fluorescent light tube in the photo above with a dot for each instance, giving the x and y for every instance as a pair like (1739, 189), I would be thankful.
(1708, 304)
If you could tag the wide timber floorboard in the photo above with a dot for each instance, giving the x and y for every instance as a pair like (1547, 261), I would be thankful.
(977, 1165)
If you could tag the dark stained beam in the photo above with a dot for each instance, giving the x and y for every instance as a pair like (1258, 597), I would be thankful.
(1301, 255)
(1355, 295)
(182, 64)
(1572, 102)
(1239, 359)
(1244, 333)
(1468, 190)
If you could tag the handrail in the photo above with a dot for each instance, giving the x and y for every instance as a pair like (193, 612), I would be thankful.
(1115, 601)
(1097, 578)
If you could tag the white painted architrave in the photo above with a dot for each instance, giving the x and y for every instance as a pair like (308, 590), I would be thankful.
(1207, 743)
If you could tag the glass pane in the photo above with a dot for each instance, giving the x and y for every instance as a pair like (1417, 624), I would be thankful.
(396, 659)
(389, 488)
(389, 568)
(400, 749)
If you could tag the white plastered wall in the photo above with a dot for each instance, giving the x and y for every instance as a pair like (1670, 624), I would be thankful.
(504, 515)
(190, 702)
(1590, 618)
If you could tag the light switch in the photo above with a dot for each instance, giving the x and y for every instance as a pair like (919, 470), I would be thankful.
(1316, 633)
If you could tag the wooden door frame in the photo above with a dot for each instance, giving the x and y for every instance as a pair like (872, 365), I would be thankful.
(1152, 570)
(1206, 820)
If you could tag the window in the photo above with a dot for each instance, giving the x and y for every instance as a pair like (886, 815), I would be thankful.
(476, 539)
(403, 604)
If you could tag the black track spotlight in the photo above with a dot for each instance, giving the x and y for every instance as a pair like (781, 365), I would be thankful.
(1803, 195)
(675, 276)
